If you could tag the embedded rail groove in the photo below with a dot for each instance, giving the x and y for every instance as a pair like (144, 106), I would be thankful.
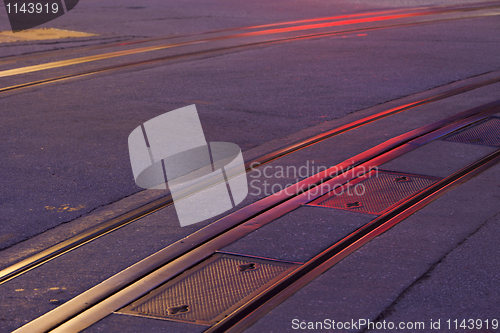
(426, 10)
(102, 229)
(10, 59)
(276, 294)
(64, 63)
(144, 276)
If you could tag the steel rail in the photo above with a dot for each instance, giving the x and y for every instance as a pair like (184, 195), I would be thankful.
(51, 53)
(350, 21)
(120, 221)
(102, 229)
(99, 301)
(280, 291)
(215, 50)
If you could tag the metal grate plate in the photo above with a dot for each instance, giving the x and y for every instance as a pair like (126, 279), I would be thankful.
(486, 133)
(210, 290)
(376, 192)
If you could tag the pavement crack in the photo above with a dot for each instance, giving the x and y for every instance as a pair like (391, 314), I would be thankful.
(83, 214)
(423, 91)
(384, 314)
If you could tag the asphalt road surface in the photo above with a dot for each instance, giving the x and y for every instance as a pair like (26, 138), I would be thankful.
(65, 144)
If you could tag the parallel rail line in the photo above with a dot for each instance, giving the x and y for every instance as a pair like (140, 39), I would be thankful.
(276, 294)
(204, 243)
(51, 53)
(64, 63)
(118, 222)
(429, 9)
(144, 276)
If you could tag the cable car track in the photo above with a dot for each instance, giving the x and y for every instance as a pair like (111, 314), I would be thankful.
(259, 306)
(124, 287)
(11, 59)
(104, 56)
(238, 321)
(429, 10)
(116, 223)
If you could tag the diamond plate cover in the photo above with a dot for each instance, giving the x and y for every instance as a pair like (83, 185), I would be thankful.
(213, 288)
(486, 133)
(376, 193)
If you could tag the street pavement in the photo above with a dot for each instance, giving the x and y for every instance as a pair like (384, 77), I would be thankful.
(65, 145)
(65, 156)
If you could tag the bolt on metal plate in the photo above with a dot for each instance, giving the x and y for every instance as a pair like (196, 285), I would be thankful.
(376, 192)
(486, 133)
(212, 289)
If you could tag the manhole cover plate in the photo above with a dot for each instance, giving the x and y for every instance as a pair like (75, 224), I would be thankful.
(376, 192)
(486, 133)
(210, 290)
